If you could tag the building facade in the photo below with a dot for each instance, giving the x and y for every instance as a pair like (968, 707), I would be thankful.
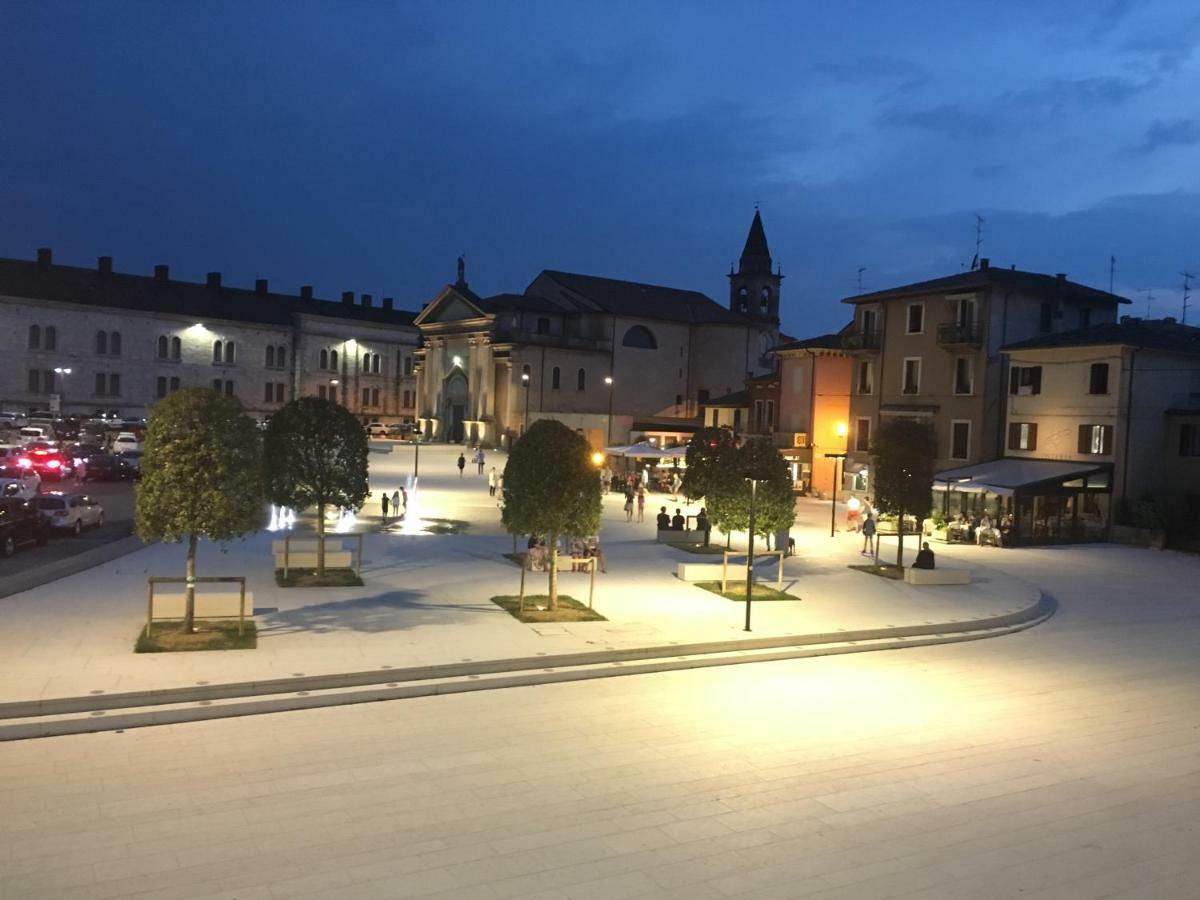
(814, 409)
(932, 350)
(87, 341)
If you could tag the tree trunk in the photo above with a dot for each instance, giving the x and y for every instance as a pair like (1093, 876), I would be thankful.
(899, 539)
(552, 546)
(320, 540)
(189, 593)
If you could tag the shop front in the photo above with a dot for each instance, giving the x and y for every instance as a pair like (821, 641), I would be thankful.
(1029, 501)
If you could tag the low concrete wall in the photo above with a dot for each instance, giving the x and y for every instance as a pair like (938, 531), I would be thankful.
(937, 576)
(305, 546)
(337, 559)
(210, 605)
(709, 571)
(72, 565)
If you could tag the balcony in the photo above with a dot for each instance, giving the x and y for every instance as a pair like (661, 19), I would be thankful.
(953, 334)
(858, 339)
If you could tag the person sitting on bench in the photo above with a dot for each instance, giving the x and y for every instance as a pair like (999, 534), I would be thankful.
(677, 521)
(924, 558)
(664, 521)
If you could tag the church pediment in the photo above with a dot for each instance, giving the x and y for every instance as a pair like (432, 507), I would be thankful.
(448, 307)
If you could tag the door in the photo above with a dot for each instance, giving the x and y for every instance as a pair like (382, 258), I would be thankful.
(457, 414)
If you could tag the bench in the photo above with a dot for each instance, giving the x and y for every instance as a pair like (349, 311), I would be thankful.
(937, 576)
(209, 604)
(303, 546)
(671, 536)
(334, 559)
(708, 572)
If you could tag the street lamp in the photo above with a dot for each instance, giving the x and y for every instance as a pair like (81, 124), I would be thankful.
(62, 373)
(750, 552)
(525, 381)
(609, 382)
(836, 457)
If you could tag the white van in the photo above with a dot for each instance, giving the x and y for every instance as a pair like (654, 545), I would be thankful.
(34, 433)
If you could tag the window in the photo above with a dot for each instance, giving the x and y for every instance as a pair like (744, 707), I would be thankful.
(764, 300)
(915, 321)
(218, 354)
(1044, 317)
(162, 346)
(912, 375)
(35, 382)
(174, 385)
(1022, 435)
(229, 388)
(866, 377)
(230, 355)
(114, 343)
(270, 363)
(51, 338)
(1025, 380)
(1085, 317)
(862, 434)
(964, 377)
(641, 337)
(581, 381)
(375, 364)
(280, 357)
(100, 384)
(102, 342)
(323, 360)
(217, 385)
(333, 364)
(408, 365)
(1098, 379)
(797, 379)
(737, 419)
(279, 392)
(160, 387)
(1189, 439)
(176, 348)
(543, 325)
(964, 312)
(321, 391)
(555, 378)
(1095, 440)
(35, 337)
(868, 320)
(374, 396)
(269, 392)
(743, 299)
(960, 439)
(366, 396)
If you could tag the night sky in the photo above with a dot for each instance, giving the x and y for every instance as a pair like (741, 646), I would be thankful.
(364, 146)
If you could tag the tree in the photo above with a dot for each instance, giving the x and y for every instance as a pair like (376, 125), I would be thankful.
(551, 489)
(708, 451)
(315, 454)
(201, 476)
(902, 455)
(728, 497)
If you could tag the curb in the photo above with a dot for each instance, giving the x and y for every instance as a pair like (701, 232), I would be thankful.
(75, 715)
(72, 565)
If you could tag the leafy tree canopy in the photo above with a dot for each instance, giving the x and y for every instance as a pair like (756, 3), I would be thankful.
(550, 484)
(728, 496)
(902, 456)
(315, 454)
(709, 450)
(201, 472)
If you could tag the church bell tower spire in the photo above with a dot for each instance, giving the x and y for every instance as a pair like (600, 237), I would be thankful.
(754, 288)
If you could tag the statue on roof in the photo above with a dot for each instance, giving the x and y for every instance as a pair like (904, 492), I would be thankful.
(462, 269)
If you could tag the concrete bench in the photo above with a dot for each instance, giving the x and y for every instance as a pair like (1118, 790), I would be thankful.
(209, 604)
(709, 571)
(303, 546)
(671, 536)
(337, 559)
(937, 576)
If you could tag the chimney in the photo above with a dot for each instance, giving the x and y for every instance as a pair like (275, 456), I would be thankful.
(388, 303)
(104, 265)
(260, 286)
(306, 291)
(366, 300)
(984, 263)
(44, 256)
(162, 272)
(214, 279)
(348, 297)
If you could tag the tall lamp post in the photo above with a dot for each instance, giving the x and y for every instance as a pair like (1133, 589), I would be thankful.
(62, 374)
(525, 381)
(608, 434)
(837, 458)
(750, 552)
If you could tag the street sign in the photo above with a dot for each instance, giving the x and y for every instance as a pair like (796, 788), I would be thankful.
(56, 403)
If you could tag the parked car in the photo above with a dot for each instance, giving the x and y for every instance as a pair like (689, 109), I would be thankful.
(19, 482)
(30, 433)
(126, 440)
(78, 451)
(49, 463)
(400, 429)
(134, 459)
(376, 429)
(10, 454)
(10, 419)
(69, 512)
(106, 467)
(20, 525)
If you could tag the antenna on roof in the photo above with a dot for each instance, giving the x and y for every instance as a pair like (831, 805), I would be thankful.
(1149, 292)
(978, 241)
(1187, 292)
(1112, 270)
(861, 269)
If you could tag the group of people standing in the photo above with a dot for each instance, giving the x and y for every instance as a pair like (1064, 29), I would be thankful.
(396, 504)
(479, 459)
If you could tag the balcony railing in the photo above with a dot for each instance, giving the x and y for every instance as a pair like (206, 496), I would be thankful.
(953, 334)
(858, 339)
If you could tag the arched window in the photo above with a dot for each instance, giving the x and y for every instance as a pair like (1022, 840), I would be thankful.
(35, 337)
(764, 299)
(101, 342)
(555, 378)
(51, 337)
(641, 337)
(333, 359)
(324, 359)
(376, 363)
(581, 381)
(229, 352)
(280, 356)
(408, 365)
(743, 298)
(160, 387)
(176, 348)
(114, 343)
(270, 356)
(162, 346)
(217, 348)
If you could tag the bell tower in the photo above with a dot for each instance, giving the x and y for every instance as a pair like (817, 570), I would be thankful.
(754, 288)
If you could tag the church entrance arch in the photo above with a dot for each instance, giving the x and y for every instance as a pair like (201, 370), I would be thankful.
(454, 392)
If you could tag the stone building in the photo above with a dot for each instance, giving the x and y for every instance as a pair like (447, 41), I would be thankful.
(129, 340)
(598, 354)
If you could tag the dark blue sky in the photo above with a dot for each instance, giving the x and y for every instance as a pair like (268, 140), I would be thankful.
(365, 145)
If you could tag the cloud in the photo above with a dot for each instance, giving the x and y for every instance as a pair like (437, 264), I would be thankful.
(893, 71)
(950, 119)
(1170, 132)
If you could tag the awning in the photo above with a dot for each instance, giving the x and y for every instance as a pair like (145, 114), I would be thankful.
(646, 450)
(1006, 476)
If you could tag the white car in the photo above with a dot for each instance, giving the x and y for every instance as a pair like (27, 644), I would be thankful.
(376, 429)
(126, 440)
(23, 484)
(69, 512)
(32, 433)
(12, 419)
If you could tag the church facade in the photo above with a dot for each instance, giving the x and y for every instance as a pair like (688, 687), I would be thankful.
(598, 354)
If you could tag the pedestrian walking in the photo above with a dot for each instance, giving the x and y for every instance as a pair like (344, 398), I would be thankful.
(384, 503)
(492, 482)
(403, 500)
(479, 461)
(395, 503)
(641, 506)
(870, 546)
(462, 464)
(629, 506)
